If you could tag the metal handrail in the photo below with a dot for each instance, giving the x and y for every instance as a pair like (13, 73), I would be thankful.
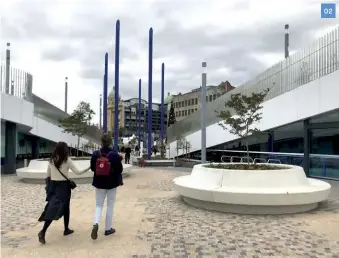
(280, 153)
(224, 156)
(283, 77)
(249, 159)
(232, 158)
(259, 159)
(275, 161)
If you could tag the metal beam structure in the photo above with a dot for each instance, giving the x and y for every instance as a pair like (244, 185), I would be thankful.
(105, 95)
(162, 117)
(139, 115)
(116, 97)
(150, 68)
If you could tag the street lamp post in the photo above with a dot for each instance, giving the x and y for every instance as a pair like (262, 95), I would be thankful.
(203, 112)
(66, 93)
(287, 40)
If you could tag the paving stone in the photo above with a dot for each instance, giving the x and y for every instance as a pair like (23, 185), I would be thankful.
(168, 227)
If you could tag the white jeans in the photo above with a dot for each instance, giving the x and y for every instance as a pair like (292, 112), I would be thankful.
(100, 195)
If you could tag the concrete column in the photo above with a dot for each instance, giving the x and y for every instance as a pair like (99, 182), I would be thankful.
(307, 141)
(35, 147)
(10, 148)
(270, 142)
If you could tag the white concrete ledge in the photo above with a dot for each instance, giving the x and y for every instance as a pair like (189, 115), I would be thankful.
(252, 192)
(36, 171)
(154, 162)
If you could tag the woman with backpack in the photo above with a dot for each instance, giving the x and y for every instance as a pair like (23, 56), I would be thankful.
(107, 167)
(58, 189)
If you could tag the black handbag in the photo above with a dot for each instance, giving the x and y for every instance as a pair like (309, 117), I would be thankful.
(72, 184)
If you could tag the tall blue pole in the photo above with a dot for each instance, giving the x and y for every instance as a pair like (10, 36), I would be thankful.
(105, 94)
(116, 102)
(139, 115)
(150, 68)
(162, 118)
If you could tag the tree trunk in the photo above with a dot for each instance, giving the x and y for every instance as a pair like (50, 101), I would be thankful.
(162, 149)
(248, 153)
(78, 146)
(247, 149)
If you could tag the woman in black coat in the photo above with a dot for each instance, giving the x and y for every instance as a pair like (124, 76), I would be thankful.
(58, 190)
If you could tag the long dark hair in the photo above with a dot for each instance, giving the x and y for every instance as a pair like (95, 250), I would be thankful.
(60, 154)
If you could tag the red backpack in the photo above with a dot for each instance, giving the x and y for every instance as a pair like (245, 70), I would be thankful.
(103, 165)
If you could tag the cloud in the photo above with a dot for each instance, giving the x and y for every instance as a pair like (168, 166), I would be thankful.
(239, 39)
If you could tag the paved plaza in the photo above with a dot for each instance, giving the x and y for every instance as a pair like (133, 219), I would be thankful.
(152, 221)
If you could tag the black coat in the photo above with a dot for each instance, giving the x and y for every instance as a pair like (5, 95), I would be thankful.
(58, 196)
(115, 178)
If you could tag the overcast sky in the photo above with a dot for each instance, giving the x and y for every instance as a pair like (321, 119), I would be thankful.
(52, 39)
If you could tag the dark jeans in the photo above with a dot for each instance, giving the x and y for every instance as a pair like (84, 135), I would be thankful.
(127, 157)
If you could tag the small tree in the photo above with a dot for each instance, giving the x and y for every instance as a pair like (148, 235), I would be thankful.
(247, 112)
(79, 121)
(121, 131)
(171, 116)
(180, 144)
(133, 141)
(187, 147)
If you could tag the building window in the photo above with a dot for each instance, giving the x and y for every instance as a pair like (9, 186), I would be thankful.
(189, 102)
(186, 103)
(176, 104)
(176, 114)
(179, 104)
(196, 101)
(206, 98)
(182, 103)
(193, 110)
(214, 96)
(196, 109)
(211, 98)
(185, 112)
(179, 113)
(189, 112)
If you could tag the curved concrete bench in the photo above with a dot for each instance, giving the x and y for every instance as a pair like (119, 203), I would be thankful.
(37, 170)
(252, 192)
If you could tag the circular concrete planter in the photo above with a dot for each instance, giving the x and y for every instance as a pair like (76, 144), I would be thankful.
(279, 191)
(37, 170)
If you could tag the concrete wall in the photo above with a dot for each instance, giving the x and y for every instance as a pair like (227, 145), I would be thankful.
(21, 112)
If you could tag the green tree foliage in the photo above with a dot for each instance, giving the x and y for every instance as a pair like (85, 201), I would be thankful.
(171, 116)
(79, 121)
(246, 114)
(122, 131)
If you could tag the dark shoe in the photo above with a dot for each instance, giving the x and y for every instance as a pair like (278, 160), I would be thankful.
(109, 232)
(68, 232)
(94, 234)
(41, 236)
